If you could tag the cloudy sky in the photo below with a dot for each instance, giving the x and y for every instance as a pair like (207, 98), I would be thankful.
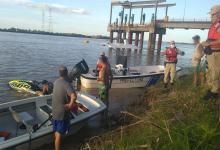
(92, 16)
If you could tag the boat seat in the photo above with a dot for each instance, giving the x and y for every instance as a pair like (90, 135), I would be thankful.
(46, 109)
(21, 118)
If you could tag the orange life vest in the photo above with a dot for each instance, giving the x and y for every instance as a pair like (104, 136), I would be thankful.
(99, 67)
(171, 54)
(214, 34)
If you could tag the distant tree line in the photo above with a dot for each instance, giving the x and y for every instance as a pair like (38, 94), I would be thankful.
(28, 31)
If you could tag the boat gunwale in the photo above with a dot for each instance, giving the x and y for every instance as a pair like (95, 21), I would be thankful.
(124, 77)
(85, 76)
(46, 130)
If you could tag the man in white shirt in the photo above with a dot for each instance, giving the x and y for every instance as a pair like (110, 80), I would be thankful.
(196, 60)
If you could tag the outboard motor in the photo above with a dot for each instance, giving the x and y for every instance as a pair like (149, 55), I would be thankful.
(78, 69)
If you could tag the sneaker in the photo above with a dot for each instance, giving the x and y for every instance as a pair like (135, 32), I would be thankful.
(210, 95)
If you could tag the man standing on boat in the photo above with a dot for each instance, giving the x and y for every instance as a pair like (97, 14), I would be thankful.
(98, 64)
(61, 105)
(170, 63)
(104, 79)
(212, 49)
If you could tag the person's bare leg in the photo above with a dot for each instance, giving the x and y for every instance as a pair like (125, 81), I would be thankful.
(57, 140)
(202, 77)
(195, 79)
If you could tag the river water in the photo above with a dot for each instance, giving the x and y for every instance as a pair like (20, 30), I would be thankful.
(37, 57)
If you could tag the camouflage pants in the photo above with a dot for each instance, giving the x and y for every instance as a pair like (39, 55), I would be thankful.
(103, 91)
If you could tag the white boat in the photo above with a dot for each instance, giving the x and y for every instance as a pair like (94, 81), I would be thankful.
(34, 114)
(133, 77)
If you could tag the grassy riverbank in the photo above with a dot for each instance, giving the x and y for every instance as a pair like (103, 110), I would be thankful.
(173, 119)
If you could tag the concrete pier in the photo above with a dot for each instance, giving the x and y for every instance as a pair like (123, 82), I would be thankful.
(111, 37)
(141, 40)
(159, 42)
(130, 37)
(156, 28)
(124, 36)
(136, 39)
(151, 41)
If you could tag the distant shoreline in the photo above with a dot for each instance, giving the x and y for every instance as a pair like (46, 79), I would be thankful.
(16, 30)
(25, 31)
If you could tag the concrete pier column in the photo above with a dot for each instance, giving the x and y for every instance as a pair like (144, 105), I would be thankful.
(124, 36)
(111, 36)
(130, 37)
(119, 37)
(136, 39)
(151, 41)
(159, 42)
(141, 40)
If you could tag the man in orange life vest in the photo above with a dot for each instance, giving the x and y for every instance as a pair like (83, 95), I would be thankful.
(170, 62)
(212, 49)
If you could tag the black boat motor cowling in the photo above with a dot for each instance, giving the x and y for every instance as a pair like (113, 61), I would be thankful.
(78, 69)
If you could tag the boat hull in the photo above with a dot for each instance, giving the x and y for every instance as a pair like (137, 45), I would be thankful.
(136, 77)
(20, 139)
(48, 138)
(129, 82)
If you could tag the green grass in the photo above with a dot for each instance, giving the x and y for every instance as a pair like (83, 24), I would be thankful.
(174, 119)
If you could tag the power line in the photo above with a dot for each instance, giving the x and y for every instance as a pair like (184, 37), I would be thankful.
(50, 21)
(184, 12)
(43, 20)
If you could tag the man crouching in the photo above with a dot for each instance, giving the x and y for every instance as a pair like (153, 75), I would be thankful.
(61, 105)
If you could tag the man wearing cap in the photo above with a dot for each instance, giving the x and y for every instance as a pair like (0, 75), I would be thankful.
(170, 63)
(196, 59)
(212, 49)
(104, 80)
(61, 105)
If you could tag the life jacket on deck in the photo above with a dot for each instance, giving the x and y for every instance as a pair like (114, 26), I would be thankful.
(171, 55)
(214, 34)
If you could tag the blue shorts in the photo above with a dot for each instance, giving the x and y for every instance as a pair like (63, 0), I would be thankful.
(61, 126)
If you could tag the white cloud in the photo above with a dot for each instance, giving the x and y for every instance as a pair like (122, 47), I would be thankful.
(57, 8)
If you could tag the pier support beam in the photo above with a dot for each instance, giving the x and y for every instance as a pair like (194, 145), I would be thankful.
(151, 41)
(159, 42)
(130, 37)
(136, 38)
(111, 36)
(119, 37)
(141, 40)
(124, 36)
